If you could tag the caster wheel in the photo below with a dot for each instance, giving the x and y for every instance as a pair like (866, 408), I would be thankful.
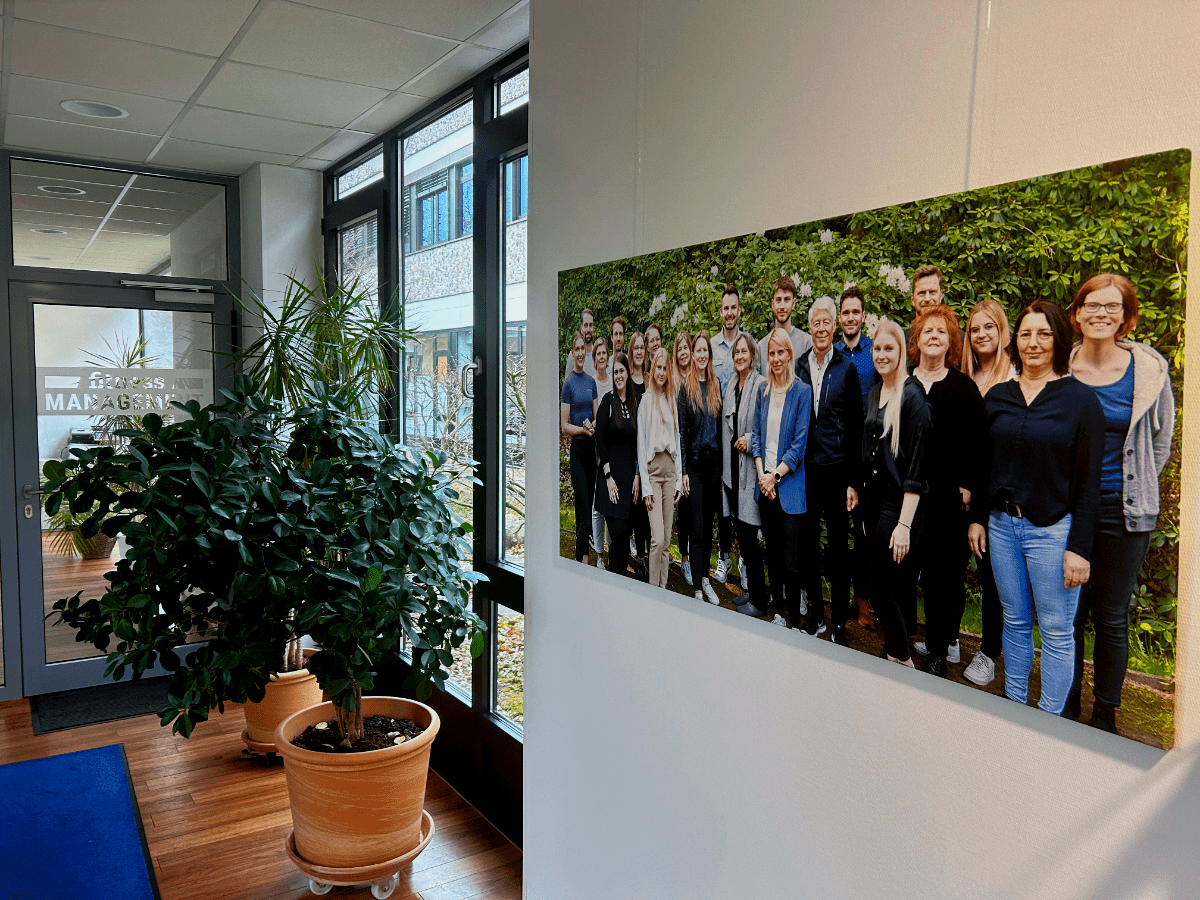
(319, 887)
(384, 890)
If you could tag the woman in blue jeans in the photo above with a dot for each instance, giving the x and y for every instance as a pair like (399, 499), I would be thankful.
(1046, 436)
(1133, 384)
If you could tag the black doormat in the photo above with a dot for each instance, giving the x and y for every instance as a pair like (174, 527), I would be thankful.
(104, 703)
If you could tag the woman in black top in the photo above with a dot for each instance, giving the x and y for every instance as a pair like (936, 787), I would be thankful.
(619, 487)
(894, 438)
(953, 453)
(638, 363)
(699, 403)
(1046, 435)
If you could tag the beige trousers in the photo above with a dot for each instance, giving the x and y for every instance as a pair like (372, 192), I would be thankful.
(662, 476)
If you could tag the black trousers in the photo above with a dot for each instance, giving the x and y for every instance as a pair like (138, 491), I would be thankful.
(704, 485)
(618, 550)
(992, 642)
(825, 498)
(751, 552)
(641, 527)
(889, 578)
(583, 483)
(942, 558)
(1117, 557)
(783, 533)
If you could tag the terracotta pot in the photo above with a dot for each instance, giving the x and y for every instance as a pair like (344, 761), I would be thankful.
(287, 693)
(357, 809)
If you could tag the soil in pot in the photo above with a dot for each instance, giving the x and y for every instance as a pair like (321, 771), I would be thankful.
(380, 732)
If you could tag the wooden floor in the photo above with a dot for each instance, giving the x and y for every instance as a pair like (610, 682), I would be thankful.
(216, 823)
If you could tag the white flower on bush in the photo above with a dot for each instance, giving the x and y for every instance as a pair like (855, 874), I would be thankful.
(715, 270)
(699, 287)
(796, 278)
(849, 284)
(806, 290)
(679, 314)
(657, 303)
(762, 233)
(884, 270)
(904, 284)
(872, 322)
(826, 236)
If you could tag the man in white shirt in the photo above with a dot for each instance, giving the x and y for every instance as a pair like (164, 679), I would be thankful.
(783, 302)
(587, 327)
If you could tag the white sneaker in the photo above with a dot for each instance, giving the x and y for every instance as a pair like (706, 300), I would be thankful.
(981, 671)
(804, 603)
(709, 594)
(687, 570)
(744, 573)
(953, 652)
(632, 548)
(724, 564)
(779, 620)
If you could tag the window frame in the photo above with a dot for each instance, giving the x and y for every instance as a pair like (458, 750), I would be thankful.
(480, 750)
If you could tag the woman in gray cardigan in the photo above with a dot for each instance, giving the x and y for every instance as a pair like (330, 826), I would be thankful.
(1133, 384)
(738, 473)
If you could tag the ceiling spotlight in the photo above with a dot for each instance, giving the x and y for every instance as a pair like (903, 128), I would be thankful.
(60, 189)
(47, 231)
(93, 109)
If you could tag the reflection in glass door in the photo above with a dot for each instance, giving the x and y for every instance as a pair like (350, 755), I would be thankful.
(96, 370)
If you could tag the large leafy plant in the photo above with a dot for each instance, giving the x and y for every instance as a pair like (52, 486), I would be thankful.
(249, 523)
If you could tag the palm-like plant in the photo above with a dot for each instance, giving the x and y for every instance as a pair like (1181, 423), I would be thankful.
(335, 334)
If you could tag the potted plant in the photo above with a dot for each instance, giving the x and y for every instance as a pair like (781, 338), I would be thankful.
(330, 333)
(249, 523)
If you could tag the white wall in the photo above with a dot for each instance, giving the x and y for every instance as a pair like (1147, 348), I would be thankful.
(674, 750)
(281, 228)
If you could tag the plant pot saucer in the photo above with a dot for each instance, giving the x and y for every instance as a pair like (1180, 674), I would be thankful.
(257, 746)
(383, 876)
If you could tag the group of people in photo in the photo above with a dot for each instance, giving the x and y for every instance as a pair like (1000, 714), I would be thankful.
(879, 462)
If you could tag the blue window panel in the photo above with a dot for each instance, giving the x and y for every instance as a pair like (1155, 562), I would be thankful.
(427, 221)
(443, 206)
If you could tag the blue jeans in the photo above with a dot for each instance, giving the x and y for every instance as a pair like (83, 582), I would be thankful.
(1028, 564)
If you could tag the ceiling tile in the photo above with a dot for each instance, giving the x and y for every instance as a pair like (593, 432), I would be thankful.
(57, 54)
(40, 100)
(452, 70)
(182, 24)
(507, 31)
(392, 111)
(450, 18)
(211, 158)
(345, 142)
(76, 140)
(237, 129)
(317, 42)
(300, 98)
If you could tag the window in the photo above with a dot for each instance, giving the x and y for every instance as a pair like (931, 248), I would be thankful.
(451, 249)
(360, 176)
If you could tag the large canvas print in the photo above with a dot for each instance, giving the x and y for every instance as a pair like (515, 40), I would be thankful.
(944, 432)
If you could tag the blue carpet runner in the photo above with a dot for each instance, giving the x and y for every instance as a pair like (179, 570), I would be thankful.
(70, 827)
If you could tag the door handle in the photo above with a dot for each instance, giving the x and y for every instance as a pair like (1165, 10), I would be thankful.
(473, 368)
(29, 492)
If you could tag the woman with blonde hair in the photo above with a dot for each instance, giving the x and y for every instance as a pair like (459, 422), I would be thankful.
(894, 438)
(987, 361)
(699, 402)
(681, 362)
(780, 437)
(659, 460)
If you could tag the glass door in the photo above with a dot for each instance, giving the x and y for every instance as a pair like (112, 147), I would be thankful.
(86, 362)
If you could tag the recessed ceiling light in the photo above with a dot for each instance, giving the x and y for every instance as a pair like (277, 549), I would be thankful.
(47, 231)
(60, 189)
(93, 109)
